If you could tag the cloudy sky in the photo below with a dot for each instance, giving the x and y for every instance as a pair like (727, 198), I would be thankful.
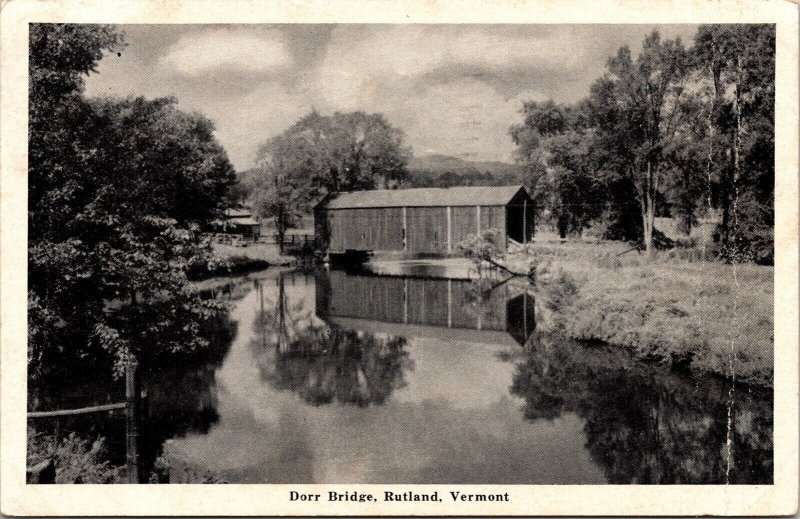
(453, 89)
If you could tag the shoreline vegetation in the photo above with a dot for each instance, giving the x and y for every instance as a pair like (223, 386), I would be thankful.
(705, 316)
(228, 260)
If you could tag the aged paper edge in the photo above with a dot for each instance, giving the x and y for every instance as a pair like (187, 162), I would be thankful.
(17, 498)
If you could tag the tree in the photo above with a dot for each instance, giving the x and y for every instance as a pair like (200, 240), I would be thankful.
(686, 183)
(322, 154)
(636, 108)
(117, 192)
(556, 147)
(737, 63)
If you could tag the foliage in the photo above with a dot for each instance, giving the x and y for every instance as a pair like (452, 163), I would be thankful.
(77, 460)
(322, 154)
(482, 246)
(737, 64)
(229, 266)
(670, 131)
(118, 190)
(636, 108)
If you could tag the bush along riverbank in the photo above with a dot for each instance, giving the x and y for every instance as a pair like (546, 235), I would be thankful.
(707, 317)
(227, 260)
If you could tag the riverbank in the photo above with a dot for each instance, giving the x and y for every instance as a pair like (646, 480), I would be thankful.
(704, 316)
(231, 260)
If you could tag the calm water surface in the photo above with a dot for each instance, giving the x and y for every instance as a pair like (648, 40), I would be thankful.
(335, 377)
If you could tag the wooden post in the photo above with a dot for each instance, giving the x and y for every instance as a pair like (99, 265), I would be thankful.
(449, 229)
(131, 417)
(405, 300)
(405, 230)
(478, 220)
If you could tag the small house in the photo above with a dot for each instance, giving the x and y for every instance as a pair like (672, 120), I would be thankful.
(422, 220)
(240, 222)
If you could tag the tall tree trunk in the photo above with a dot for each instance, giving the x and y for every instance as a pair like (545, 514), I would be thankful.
(648, 204)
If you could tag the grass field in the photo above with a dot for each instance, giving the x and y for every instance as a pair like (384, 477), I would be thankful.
(706, 315)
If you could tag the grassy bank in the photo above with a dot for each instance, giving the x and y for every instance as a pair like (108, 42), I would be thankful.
(703, 315)
(230, 260)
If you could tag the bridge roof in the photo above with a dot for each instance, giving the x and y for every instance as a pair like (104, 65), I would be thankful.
(423, 197)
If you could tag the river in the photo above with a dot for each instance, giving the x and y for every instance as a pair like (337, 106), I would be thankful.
(361, 377)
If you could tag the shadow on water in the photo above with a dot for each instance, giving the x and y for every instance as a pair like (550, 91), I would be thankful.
(180, 392)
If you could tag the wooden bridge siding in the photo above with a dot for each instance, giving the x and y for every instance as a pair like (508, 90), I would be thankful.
(334, 228)
(426, 229)
(392, 237)
(494, 217)
(379, 229)
(463, 224)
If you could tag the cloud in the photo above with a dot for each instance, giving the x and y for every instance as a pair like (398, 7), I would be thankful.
(227, 49)
(465, 118)
(442, 85)
(243, 123)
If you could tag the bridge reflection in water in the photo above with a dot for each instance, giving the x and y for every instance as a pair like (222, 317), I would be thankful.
(426, 307)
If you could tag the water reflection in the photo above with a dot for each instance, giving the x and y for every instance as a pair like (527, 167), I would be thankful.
(463, 309)
(297, 352)
(644, 425)
(334, 377)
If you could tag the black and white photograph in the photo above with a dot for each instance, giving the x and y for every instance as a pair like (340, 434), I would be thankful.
(447, 254)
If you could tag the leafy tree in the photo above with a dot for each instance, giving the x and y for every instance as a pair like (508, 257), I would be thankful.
(117, 192)
(636, 108)
(321, 154)
(557, 148)
(737, 64)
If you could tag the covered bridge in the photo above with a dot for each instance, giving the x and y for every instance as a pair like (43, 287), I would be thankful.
(424, 220)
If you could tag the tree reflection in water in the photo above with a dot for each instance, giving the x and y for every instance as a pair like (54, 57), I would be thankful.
(323, 364)
(645, 425)
(180, 389)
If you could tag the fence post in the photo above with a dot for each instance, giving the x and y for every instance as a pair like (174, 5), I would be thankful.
(131, 417)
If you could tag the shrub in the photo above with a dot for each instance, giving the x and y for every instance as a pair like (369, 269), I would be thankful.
(77, 460)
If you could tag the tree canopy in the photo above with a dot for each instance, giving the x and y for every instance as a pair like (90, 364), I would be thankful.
(670, 131)
(321, 154)
(117, 191)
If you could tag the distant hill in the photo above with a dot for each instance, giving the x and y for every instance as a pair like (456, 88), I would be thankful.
(447, 171)
(437, 171)
(443, 163)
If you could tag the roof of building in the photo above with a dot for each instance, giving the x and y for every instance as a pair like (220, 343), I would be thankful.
(423, 197)
(239, 212)
(244, 221)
